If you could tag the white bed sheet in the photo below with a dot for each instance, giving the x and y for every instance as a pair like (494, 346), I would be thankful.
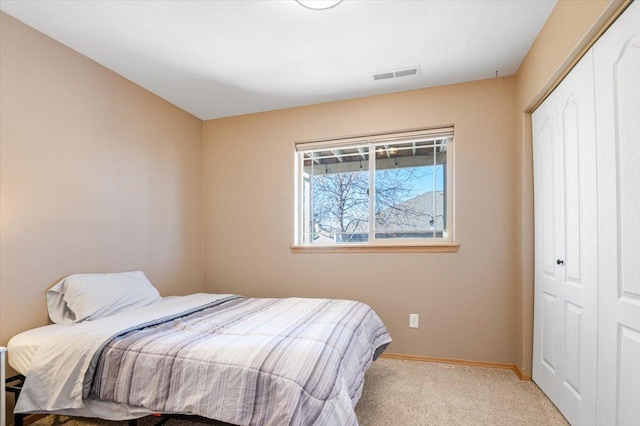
(22, 347)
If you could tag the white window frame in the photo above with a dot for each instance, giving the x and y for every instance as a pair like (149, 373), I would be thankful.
(444, 244)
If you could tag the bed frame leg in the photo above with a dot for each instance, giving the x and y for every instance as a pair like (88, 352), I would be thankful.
(18, 419)
(14, 385)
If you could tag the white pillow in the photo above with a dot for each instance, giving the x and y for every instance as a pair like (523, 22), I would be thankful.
(85, 297)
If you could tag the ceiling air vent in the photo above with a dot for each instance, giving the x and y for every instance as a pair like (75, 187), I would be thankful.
(396, 73)
(383, 75)
(404, 73)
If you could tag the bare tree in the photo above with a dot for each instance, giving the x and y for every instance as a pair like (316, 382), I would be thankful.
(341, 201)
(393, 186)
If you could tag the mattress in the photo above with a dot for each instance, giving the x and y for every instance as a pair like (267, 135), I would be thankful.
(23, 347)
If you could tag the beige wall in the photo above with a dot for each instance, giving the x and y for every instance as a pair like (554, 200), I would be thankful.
(97, 175)
(465, 300)
(571, 25)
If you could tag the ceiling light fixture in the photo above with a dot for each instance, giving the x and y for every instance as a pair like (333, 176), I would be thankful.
(319, 4)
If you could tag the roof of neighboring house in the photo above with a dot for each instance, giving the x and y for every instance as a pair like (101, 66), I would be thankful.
(414, 214)
(419, 213)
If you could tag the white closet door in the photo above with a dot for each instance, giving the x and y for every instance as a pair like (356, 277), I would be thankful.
(617, 85)
(546, 178)
(565, 326)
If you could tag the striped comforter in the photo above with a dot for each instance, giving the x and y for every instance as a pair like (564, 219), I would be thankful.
(248, 362)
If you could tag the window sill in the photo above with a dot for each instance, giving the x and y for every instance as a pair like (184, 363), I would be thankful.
(377, 248)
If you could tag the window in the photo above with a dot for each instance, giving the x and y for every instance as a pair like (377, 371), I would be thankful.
(403, 181)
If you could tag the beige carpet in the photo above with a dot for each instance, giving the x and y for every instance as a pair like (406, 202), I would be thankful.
(424, 393)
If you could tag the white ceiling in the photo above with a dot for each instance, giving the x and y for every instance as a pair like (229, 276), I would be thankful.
(224, 58)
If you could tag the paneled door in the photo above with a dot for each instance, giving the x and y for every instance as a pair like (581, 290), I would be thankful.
(566, 268)
(617, 89)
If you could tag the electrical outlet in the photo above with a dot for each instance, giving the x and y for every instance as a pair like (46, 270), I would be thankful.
(414, 320)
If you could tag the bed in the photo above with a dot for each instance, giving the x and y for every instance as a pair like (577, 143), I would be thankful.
(239, 360)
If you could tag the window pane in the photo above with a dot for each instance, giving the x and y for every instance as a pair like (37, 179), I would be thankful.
(408, 198)
(410, 190)
(335, 196)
